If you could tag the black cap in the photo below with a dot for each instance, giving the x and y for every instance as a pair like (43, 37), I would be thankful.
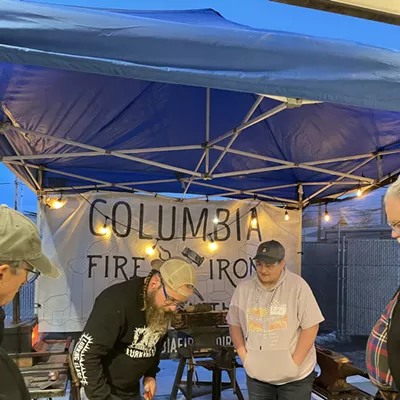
(270, 252)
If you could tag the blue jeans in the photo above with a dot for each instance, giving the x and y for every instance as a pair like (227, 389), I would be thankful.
(298, 390)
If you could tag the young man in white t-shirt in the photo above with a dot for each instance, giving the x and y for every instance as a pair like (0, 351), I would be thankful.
(273, 322)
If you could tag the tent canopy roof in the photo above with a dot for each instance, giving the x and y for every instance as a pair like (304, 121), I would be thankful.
(119, 100)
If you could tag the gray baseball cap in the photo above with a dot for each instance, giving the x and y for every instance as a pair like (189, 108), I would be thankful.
(20, 241)
(270, 252)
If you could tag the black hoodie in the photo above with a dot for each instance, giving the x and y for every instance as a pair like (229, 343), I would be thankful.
(12, 385)
(116, 348)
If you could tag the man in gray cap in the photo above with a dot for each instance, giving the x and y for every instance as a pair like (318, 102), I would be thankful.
(273, 322)
(21, 261)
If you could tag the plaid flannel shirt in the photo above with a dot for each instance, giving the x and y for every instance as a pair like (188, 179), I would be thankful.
(377, 354)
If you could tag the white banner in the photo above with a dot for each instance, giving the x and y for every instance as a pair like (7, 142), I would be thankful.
(91, 262)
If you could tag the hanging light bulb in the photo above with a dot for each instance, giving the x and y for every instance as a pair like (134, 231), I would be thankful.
(215, 220)
(286, 215)
(212, 245)
(359, 191)
(59, 203)
(150, 250)
(327, 217)
(254, 222)
(105, 230)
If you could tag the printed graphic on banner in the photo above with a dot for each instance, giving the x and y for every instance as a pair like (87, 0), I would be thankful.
(95, 252)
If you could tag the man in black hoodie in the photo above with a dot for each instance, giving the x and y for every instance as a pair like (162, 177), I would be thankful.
(21, 261)
(123, 337)
(383, 349)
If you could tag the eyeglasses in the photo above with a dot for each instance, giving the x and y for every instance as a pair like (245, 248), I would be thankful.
(395, 227)
(169, 301)
(32, 274)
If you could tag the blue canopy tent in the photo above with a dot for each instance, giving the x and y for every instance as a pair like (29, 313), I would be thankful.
(187, 102)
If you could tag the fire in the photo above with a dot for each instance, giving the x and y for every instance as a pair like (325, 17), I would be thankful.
(35, 335)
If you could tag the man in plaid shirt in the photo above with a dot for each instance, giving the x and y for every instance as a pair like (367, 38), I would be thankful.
(383, 348)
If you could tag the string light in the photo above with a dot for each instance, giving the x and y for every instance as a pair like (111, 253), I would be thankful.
(286, 215)
(359, 191)
(150, 250)
(327, 217)
(212, 245)
(105, 230)
(57, 204)
(253, 221)
(215, 220)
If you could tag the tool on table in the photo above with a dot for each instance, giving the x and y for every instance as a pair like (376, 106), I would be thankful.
(43, 382)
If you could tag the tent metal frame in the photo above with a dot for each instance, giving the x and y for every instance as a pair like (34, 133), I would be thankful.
(196, 176)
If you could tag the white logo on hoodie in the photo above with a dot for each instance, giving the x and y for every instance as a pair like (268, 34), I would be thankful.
(144, 343)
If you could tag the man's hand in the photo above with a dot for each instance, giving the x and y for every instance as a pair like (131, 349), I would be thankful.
(242, 353)
(304, 344)
(150, 386)
(297, 360)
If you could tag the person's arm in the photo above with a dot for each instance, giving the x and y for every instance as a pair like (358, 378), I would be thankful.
(98, 338)
(236, 334)
(309, 316)
(304, 344)
(149, 378)
(234, 317)
(12, 385)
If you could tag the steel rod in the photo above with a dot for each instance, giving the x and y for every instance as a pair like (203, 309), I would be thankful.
(247, 124)
(233, 138)
(360, 165)
(190, 180)
(107, 152)
(207, 150)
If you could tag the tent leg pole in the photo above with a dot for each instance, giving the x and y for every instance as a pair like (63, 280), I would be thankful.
(16, 300)
(207, 150)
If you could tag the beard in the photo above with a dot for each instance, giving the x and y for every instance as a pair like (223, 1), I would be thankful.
(157, 319)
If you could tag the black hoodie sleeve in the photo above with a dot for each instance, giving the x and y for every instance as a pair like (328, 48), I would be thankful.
(98, 338)
(394, 345)
(153, 370)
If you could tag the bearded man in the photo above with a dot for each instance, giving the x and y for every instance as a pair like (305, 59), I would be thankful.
(124, 335)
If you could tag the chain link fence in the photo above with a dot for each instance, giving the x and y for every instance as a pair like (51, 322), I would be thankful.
(27, 303)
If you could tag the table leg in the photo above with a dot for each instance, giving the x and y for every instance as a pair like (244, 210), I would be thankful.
(178, 378)
(216, 384)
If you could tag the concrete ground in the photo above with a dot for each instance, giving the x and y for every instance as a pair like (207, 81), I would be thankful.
(166, 376)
